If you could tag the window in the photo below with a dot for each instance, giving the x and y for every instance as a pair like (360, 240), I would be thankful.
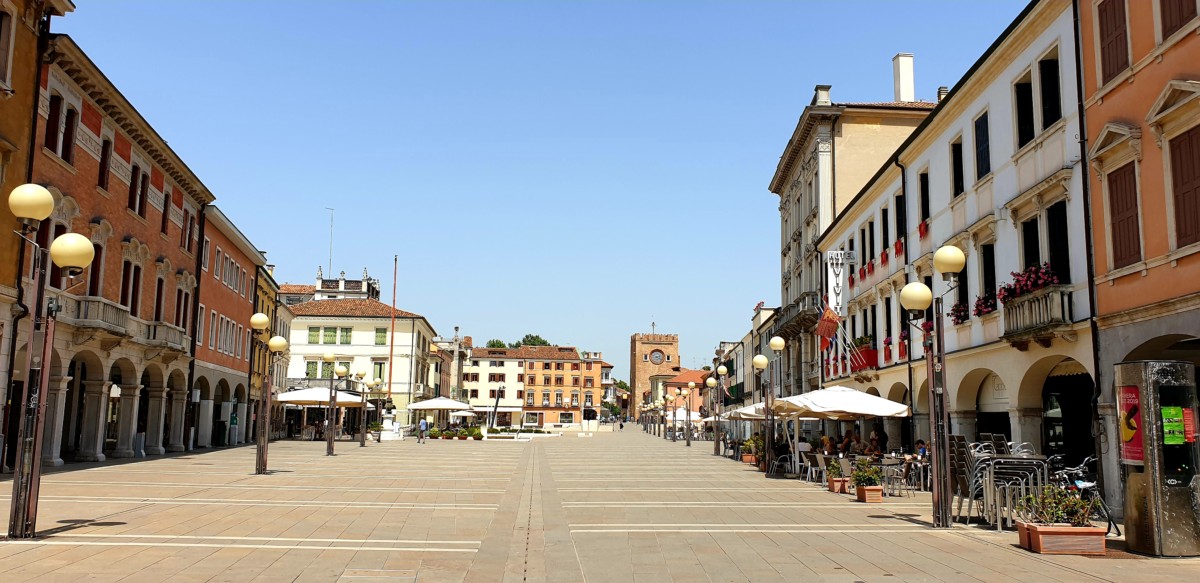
(204, 252)
(212, 330)
(95, 270)
(558, 380)
(314, 335)
(529, 380)
(983, 153)
(1058, 241)
(200, 327)
(188, 232)
(378, 369)
(218, 263)
(310, 369)
(957, 174)
(53, 120)
(1023, 102)
(158, 299)
(546, 366)
(1123, 216)
(1114, 40)
(558, 399)
(870, 240)
(545, 379)
(901, 216)
(70, 123)
(574, 381)
(346, 335)
(963, 291)
(1051, 89)
(668, 358)
(566, 417)
(987, 256)
(330, 336)
(923, 186)
(105, 164)
(1031, 250)
(1175, 14)
(574, 366)
(327, 370)
(183, 307)
(645, 357)
(6, 43)
(558, 366)
(1185, 186)
(143, 195)
(528, 399)
(520, 378)
(134, 177)
(474, 393)
(380, 336)
(166, 212)
(589, 382)
(885, 238)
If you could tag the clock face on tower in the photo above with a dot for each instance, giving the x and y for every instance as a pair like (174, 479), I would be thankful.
(656, 357)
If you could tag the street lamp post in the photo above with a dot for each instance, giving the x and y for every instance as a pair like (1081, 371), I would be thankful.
(760, 362)
(276, 347)
(337, 372)
(71, 252)
(687, 410)
(916, 298)
(661, 409)
(711, 383)
(362, 433)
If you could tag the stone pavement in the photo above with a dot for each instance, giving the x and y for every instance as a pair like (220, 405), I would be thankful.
(613, 507)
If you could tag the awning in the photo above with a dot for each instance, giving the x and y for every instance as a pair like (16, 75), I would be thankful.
(439, 404)
(462, 414)
(489, 409)
(318, 396)
(838, 403)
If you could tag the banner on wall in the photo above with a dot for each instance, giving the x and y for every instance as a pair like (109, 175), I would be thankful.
(1130, 421)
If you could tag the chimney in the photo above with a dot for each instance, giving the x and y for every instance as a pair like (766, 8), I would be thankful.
(942, 91)
(902, 77)
(822, 97)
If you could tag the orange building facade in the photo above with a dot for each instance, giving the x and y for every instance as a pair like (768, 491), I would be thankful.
(1141, 70)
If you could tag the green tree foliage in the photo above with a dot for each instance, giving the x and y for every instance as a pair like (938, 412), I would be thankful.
(530, 340)
(621, 385)
(496, 343)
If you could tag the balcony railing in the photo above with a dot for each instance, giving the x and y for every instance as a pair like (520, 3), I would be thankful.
(96, 312)
(163, 334)
(799, 316)
(1038, 316)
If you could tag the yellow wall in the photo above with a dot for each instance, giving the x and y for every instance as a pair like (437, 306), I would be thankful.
(16, 113)
(864, 142)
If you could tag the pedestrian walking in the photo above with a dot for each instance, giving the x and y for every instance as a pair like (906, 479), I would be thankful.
(421, 427)
(622, 425)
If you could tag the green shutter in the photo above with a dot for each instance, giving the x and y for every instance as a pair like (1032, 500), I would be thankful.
(330, 336)
(326, 370)
(310, 369)
(314, 335)
(380, 336)
(346, 335)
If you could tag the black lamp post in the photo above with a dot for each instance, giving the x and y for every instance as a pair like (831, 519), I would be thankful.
(718, 397)
(72, 253)
(276, 348)
(916, 298)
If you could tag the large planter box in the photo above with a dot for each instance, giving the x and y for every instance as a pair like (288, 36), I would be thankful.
(869, 494)
(749, 458)
(1023, 534)
(839, 485)
(1060, 539)
(463, 437)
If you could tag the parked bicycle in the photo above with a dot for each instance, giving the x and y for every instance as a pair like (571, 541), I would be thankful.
(1080, 480)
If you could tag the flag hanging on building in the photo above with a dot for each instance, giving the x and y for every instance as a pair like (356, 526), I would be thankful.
(827, 326)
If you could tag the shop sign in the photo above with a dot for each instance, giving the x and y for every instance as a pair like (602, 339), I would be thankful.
(1172, 420)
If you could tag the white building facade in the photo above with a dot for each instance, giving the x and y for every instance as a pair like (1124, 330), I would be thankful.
(996, 171)
(494, 385)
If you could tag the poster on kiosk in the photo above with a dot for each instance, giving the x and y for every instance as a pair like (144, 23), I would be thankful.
(1157, 407)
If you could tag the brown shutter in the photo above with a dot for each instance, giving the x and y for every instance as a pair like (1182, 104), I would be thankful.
(1175, 14)
(1114, 52)
(1123, 214)
(1185, 183)
(53, 119)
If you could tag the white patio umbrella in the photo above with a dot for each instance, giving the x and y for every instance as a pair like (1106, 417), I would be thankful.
(439, 404)
(318, 396)
(462, 414)
(755, 412)
(839, 404)
(683, 415)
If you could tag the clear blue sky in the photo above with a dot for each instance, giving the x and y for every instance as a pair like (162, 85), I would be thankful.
(571, 169)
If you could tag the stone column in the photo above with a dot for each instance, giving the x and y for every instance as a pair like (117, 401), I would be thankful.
(204, 424)
(1026, 427)
(52, 430)
(95, 409)
(127, 420)
(154, 421)
(243, 423)
(178, 413)
(963, 423)
(225, 409)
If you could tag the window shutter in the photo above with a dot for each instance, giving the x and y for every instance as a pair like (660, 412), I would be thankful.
(1185, 182)
(52, 122)
(1175, 13)
(314, 335)
(1114, 53)
(1123, 213)
(68, 142)
(983, 156)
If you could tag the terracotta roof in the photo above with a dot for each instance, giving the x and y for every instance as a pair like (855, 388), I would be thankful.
(685, 376)
(349, 308)
(893, 104)
(297, 288)
(605, 364)
(528, 353)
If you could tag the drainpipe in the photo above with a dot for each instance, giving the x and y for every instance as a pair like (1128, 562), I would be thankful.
(191, 382)
(912, 393)
(1097, 425)
(22, 311)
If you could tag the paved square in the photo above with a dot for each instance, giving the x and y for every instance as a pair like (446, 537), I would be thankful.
(613, 507)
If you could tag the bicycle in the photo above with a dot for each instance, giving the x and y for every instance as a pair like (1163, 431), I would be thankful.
(1075, 479)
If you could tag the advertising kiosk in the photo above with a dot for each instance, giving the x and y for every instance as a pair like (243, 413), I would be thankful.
(1159, 456)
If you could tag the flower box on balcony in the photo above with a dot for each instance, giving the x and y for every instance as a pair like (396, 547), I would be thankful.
(899, 247)
(883, 257)
(903, 351)
(871, 268)
(865, 357)
(862, 272)
(851, 280)
(923, 228)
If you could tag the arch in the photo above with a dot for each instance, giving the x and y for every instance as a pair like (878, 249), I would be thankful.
(123, 372)
(92, 366)
(206, 389)
(239, 393)
(153, 375)
(967, 393)
(57, 366)
(223, 393)
(1167, 347)
(898, 393)
(176, 379)
(1029, 395)
(922, 401)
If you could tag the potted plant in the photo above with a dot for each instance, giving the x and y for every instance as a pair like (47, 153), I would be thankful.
(748, 450)
(903, 344)
(375, 428)
(1025, 282)
(476, 434)
(985, 304)
(463, 434)
(868, 483)
(435, 433)
(959, 313)
(1055, 521)
(837, 483)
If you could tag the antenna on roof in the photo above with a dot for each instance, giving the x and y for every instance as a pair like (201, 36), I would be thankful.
(652, 326)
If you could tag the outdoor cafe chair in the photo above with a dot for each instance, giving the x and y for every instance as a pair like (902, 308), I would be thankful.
(816, 466)
(784, 460)
(847, 470)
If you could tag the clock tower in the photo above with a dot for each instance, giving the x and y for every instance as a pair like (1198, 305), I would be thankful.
(653, 359)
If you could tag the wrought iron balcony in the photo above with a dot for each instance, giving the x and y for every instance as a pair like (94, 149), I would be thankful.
(1038, 317)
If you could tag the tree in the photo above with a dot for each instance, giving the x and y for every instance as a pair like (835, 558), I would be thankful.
(529, 340)
(496, 343)
(621, 385)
